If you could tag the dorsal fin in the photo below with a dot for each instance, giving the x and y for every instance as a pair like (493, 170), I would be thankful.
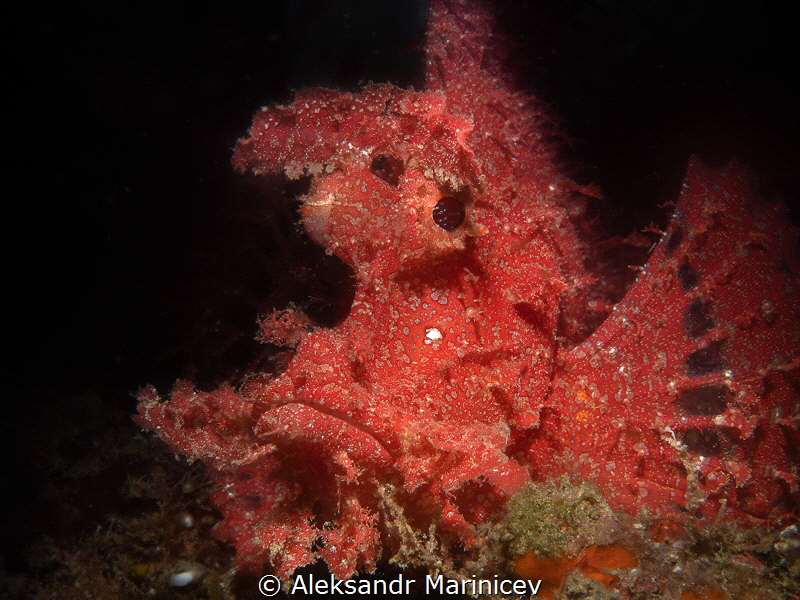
(478, 56)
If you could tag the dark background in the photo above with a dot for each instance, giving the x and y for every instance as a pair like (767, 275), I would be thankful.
(120, 123)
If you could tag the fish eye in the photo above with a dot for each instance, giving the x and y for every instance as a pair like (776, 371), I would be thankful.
(449, 212)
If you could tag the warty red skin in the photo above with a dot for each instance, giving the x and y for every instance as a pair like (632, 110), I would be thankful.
(452, 382)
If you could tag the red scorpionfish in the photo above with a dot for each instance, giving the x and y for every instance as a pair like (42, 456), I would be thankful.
(456, 378)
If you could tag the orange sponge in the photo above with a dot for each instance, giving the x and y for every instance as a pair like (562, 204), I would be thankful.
(591, 562)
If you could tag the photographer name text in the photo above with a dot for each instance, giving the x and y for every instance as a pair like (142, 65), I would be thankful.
(308, 584)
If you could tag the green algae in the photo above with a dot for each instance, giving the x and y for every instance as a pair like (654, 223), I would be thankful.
(558, 517)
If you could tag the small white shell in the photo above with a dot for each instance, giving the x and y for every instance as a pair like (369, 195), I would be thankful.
(186, 574)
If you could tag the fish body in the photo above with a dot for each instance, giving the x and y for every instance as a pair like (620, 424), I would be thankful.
(461, 372)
